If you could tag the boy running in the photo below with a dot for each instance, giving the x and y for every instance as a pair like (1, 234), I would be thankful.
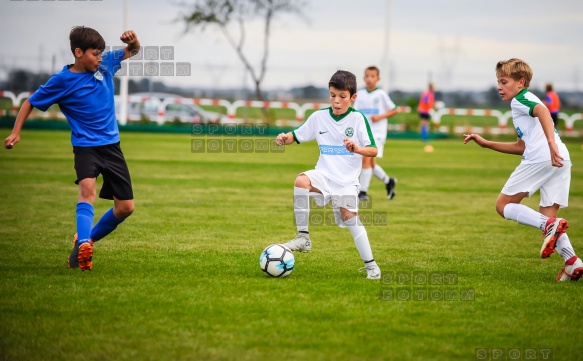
(344, 137)
(378, 107)
(84, 92)
(545, 165)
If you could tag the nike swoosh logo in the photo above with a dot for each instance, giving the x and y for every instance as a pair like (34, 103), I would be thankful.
(323, 132)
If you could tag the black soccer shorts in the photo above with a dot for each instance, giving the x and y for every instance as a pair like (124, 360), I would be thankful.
(107, 160)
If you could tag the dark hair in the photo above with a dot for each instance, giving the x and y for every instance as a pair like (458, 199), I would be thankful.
(85, 38)
(343, 80)
(373, 68)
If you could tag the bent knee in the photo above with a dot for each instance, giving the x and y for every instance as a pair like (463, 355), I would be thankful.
(124, 210)
(346, 214)
(87, 190)
(127, 211)
(302, 181)
(500, 208)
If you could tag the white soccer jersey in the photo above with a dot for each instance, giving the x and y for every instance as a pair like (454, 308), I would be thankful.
(531, 131)
(374, 103)
(336, 162)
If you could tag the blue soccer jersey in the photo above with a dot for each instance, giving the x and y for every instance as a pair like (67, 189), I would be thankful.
(86, 100)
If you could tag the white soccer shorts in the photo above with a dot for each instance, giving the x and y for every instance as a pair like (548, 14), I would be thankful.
(337, 195)
(553, 182)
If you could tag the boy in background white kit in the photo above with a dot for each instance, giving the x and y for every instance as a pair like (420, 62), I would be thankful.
(378, 107)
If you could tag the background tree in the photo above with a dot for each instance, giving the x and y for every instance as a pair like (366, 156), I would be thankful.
(21, 80)
(222, 13)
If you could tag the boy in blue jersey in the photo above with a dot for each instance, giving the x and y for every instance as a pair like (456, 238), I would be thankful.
(344, 138)
(545, 165)
(84, 92)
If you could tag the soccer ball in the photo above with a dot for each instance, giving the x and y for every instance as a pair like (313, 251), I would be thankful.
(277, 260)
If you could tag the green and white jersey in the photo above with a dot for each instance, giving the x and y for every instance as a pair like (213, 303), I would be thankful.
(531, 131)
(329, 130)
(374, 103)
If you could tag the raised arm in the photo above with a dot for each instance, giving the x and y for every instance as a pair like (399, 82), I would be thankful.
(130, 38)
(23, 114)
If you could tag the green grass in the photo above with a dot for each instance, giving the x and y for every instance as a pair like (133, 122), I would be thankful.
(179, 280)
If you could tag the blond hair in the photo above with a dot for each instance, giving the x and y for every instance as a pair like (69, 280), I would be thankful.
(516, 69)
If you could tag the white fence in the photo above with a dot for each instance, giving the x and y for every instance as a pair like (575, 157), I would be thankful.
(503, 118)
(301, 110)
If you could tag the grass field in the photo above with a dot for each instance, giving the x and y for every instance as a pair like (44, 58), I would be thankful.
(179, 280)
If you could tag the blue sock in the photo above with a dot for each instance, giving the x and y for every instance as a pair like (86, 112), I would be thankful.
(107, 224)
(84, 221)
(424, 132)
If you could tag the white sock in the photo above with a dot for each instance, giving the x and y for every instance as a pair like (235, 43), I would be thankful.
(371, 263)
(525, 215)
(564, 247)
(365, 177)
(360, 238)
(379, 172)
(302, 208)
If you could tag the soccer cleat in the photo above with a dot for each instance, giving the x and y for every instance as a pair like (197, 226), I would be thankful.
(363, 197)
(373, 272)
(572, 271)
(73, 262)
(554, 228)
(391, 187)
(74, 258)
(85, 256)
(301, 243)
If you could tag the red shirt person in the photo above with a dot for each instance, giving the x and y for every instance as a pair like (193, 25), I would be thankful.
(553, 103)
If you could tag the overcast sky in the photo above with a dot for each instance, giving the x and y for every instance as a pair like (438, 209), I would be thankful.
(455, 43)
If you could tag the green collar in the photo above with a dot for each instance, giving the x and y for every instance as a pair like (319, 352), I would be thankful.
(521, 92)
(338, 118)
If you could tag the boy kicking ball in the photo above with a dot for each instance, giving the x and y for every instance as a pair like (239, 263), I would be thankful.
(84, 92)
(545, 165)
(344, 137)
